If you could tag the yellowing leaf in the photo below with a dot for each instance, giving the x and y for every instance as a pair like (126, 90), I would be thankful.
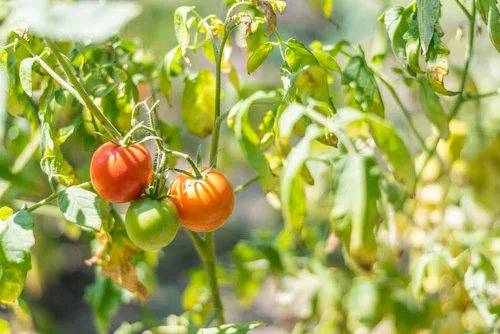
(5, 212)
(198, 103)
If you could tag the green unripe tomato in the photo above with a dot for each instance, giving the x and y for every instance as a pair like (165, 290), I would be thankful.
(151, 224)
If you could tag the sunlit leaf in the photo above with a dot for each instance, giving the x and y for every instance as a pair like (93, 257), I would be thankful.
(354, 213)
(232, 328)
(396, 23)
(182, 29)
(433, 108)
(16, 241)
(259, 56)
(412, 40)
(249, 140)
(437, 66)
(491, 16)
(298, 56)
(165, 79)
(198, 103)
(327, 61)
(328, 7)
(293, 197)
(358, 75)
(25, 70)
(427, 13)
(81, 207)
(481, 282)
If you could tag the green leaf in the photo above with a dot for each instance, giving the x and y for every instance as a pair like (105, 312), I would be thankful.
(437, 66)
(11, 284)
(198, 103)
(81, 207)
(182, 29)
(65, 132)
(358, 76)
(4, 325)
(481, 282)
(327, 61)
(60, 97)
(25, 70)
(293, 197)
(54, 165)
(418, 276)
(374, 297)
(328, 8)
(412, 40)
(105, 298)
(491, 16)
(354, 213)
(312, 82)
(165, 79)
(427, 14)
(388, 142)
(259, 56)
(16, 240)
(396, 24)
(89, 142)
(232, 328)
(298, 56)
(75, 20)
(290, 116)
(3, 104)
(248, 138)
(433, 108)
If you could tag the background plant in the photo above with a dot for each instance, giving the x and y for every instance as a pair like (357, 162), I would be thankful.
(382, 228)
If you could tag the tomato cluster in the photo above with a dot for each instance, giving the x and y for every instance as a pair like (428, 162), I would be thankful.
(120, 174)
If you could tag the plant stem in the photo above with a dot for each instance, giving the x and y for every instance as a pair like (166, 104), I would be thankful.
(468, 97)
(458, 102)
(241, 187)
(405, 111)
(60, 80)
(206, 250)
(98, 114)
(52, 197)
(218, 65)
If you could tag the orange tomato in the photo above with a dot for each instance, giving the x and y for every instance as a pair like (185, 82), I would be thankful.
(119, 174)
(203, 205)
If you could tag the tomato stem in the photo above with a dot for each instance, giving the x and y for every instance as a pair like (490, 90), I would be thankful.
(53, 196)
(112, 130)
(206, 250)
(218, 65)
(248, 183)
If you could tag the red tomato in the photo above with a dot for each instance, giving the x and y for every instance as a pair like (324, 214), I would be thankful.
(119, 174)
(203, 205)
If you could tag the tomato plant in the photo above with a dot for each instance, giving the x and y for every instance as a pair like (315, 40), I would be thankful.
(204, 205)
(379, 151)
(119, 174)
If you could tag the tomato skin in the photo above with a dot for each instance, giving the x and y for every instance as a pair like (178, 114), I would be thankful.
(204, 205)
(119, 174)
(151, 224)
